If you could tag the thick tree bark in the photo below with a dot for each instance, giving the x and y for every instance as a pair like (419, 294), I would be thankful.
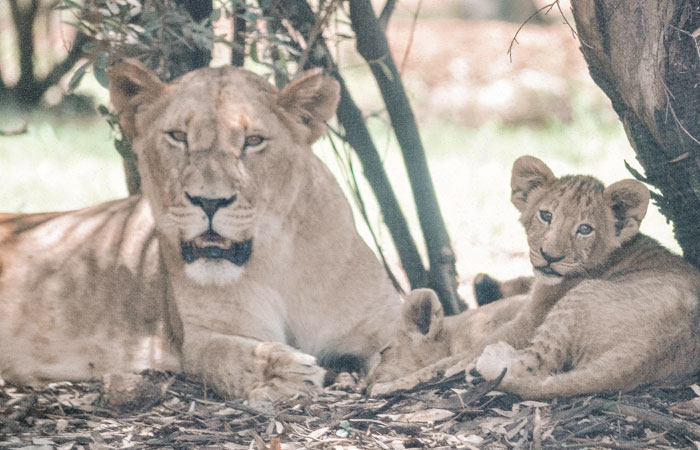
(373, 46)
(645, 57)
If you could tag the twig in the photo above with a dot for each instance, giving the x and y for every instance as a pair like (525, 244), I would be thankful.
(513, 41)
(480, 390)
(385, 15)
(321, 19)
(669, 96)
(671, 424)
(370, 413)
(548, 7)
(410, 36)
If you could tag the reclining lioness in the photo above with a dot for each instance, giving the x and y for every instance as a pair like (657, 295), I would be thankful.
(610, 308)
(239, 265)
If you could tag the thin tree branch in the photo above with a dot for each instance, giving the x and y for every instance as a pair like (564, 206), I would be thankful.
(386, 13)
(372, 45)
(59, 70)
(410, 36)
(301, 16)
(240, 30)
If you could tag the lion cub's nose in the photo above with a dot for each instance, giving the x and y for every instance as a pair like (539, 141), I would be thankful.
(549, 258)
(210, 205)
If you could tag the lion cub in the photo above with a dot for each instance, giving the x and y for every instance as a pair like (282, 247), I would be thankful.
(610, 308)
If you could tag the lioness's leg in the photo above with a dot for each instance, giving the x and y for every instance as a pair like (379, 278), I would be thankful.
(236, 366)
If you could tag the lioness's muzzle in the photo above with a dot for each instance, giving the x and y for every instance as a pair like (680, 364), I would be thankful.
(238, 253)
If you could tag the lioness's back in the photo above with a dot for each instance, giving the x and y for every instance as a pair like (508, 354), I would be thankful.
(51, 264)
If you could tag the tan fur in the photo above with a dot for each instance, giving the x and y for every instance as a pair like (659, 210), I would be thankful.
(610, 308)
(106, 289)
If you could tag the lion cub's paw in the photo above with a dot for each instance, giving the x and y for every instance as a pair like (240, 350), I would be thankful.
(494, 359)
(284, 372)
(400, 384)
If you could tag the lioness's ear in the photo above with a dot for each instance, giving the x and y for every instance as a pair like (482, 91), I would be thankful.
(422, 311)
(629, 200)
(314, 98)
(131, 84)
(528, 174)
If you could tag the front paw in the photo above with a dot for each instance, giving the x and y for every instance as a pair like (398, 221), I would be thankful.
(494, 359)
(283, 372)
(400, 384)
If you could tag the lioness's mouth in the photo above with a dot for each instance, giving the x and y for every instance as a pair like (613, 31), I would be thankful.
(547, 270)
(212, 245)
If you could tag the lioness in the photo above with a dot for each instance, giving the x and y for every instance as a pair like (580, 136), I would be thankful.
(610, 308)
(241, 256)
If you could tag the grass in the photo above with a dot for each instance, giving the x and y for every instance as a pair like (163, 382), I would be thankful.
(68, 164)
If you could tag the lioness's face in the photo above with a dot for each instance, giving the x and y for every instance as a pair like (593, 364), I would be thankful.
(217, 149)
(573, 223)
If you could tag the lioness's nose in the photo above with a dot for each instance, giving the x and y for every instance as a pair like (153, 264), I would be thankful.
(210, 205)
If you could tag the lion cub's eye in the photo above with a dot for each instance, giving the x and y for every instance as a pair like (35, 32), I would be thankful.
(545, 216)
(178, 136)
(584, 229)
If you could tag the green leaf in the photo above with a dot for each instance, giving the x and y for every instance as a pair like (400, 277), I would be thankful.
(254, 51)
(102, 60)
(101, 76)
(77, 76)
(215, 15)
(72, 4)
(89, 47)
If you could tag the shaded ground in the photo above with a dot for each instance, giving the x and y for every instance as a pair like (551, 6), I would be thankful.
(446, 414)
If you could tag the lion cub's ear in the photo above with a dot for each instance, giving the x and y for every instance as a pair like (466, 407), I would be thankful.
(313, 97)
(422, 312)
(131, 84)
(628, 200)
(529, 173)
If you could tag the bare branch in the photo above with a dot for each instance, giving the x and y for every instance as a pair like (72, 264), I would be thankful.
(386, 13)
(410, 36)
(321, 18)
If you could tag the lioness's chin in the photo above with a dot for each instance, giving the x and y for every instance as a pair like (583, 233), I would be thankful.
(219, 272)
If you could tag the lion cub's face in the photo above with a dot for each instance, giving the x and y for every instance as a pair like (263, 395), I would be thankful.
(573, 223)
(218, 151)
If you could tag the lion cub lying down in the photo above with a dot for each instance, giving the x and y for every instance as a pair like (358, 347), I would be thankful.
(610, 308)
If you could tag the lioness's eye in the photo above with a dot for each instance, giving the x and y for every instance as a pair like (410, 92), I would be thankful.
(584, 229)
(253, 141)
(545, 216)
(177, 135)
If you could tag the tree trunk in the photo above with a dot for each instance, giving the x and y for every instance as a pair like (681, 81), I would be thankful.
(645, 57)
(373, 46)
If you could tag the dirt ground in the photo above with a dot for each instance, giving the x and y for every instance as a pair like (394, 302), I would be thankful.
(448, 413)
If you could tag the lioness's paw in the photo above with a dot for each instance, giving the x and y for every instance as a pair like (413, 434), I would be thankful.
(283, 372)
(494, 359)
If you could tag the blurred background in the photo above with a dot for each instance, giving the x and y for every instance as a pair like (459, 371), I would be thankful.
(482, 97)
